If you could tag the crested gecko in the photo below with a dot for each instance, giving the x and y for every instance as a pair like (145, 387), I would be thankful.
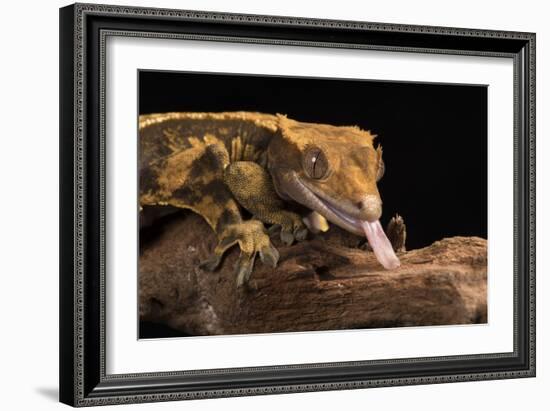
(216, 163)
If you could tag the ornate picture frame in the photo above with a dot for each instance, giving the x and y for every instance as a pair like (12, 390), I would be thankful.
(84, 377)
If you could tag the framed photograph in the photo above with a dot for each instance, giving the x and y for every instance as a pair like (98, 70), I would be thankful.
(261, 204)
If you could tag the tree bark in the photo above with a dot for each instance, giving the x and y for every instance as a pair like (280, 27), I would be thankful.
(325, 283)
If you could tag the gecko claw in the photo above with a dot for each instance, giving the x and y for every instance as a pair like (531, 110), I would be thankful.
(300, 234)
(272, 230)
(269, 256)
(287, 238)
(245, 265)
(211, 263)
(291, 228)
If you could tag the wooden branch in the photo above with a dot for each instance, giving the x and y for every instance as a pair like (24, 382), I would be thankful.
(319, 284)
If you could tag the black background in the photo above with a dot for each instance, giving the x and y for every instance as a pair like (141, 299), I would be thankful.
(434, 135)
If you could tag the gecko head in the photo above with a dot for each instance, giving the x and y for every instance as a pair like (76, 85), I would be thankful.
(334, 171)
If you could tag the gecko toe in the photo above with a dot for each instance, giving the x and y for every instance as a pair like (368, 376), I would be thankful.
(273, 230)
(245, 266)
(269, 256)
(287, 237)
(211, 263)
(301, 234)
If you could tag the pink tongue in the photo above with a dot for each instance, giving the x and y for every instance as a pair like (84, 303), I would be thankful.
(380, 244)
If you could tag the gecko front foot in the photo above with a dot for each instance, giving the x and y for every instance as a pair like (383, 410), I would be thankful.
(252, 239)
(291, 227)
(396, 232)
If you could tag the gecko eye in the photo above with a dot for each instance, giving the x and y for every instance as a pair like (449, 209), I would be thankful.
(315, 163)
(381, 169)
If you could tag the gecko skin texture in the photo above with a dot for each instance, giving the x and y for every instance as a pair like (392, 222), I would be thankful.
(216, 164)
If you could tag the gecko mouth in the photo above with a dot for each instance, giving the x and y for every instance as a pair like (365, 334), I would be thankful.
(311, 198)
